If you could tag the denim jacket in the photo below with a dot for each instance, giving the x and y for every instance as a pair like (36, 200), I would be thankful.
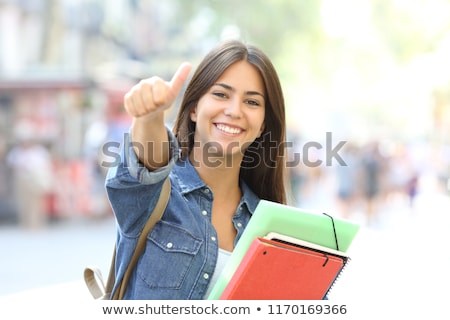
(181, 250)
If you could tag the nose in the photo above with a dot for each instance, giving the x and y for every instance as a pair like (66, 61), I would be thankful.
(233, 109)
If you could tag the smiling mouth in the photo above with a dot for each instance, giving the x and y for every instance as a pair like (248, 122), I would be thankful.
(228, 129)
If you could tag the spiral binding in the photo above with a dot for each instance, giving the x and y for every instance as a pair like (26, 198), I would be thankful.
(346, 259)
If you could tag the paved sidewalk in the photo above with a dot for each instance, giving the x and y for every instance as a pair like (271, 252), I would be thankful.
(56, 255)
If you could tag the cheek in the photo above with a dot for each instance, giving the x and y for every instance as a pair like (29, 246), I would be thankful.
(198, 110)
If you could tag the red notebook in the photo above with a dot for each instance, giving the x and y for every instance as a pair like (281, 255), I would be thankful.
(274, 270)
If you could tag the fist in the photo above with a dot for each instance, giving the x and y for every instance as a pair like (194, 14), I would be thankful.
(153, 95)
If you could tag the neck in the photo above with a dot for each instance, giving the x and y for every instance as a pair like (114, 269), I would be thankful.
(221, 174)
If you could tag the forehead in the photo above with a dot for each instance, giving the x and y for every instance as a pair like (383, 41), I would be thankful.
(244, 76)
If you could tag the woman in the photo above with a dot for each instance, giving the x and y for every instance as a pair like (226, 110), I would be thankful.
(225, 153)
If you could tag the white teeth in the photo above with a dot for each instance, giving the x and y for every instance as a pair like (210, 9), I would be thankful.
(227, 129)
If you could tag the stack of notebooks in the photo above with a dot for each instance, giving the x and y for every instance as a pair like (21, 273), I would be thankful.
(286, 253)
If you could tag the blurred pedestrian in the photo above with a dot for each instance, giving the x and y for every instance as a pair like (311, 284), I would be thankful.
(32, 177)
(7, 213)
(347, 179)
(372, 169)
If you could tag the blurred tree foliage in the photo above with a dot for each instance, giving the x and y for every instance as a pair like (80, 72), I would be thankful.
(267, 24)
(411, 27)
(358, 57)
(334, 56)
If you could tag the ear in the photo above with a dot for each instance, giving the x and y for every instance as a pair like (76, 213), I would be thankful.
(261, 130)
(193, 114)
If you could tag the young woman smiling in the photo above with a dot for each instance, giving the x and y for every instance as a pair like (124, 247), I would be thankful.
(224, 154)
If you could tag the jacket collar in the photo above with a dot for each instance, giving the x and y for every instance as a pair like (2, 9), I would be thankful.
(189, 181)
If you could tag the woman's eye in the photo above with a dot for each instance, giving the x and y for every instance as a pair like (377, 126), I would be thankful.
(219, 94)
(253, 102)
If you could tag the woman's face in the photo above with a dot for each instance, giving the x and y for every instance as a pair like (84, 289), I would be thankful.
(230, 115)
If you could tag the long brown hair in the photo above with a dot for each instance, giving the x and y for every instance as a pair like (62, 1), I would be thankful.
(263, 166)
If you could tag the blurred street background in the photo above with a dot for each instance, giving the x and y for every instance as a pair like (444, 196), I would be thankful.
(373, 75)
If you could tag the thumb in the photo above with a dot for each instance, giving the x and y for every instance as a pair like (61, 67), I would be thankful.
(179, 78)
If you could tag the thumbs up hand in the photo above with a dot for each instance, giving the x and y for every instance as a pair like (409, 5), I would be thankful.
(151, 96)
(146, 102)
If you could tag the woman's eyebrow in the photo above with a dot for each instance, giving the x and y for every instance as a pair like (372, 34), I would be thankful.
(230, 88)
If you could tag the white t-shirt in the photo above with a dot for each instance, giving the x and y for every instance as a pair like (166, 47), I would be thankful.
(222, 260)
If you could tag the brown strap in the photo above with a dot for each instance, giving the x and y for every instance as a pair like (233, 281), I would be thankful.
(154, 217)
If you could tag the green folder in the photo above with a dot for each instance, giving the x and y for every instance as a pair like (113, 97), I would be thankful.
(318, 228)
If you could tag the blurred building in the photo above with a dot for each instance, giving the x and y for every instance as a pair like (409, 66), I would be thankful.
(64, 67)
(46, 81)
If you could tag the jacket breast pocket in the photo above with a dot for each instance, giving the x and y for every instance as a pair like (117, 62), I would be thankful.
(169, 255)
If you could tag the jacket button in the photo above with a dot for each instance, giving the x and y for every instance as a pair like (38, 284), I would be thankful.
(169, 245)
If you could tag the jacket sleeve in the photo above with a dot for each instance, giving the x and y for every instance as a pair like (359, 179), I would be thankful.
(133, 190)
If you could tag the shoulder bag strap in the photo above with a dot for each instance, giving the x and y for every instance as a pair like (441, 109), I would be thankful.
(154, 217)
